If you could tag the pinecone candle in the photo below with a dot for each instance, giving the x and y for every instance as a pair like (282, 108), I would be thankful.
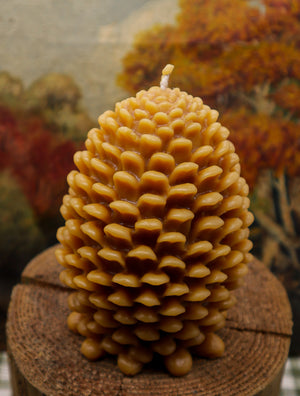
(156, 232)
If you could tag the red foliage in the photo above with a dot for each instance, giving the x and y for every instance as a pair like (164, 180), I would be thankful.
(38, 159)
(9, 136)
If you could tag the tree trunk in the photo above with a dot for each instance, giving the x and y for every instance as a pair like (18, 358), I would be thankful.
(45, 358)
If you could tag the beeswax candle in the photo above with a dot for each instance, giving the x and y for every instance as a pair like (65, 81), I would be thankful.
(156, 232)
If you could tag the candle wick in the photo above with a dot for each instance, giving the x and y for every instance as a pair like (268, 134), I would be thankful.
(164, 82)
(165, 76)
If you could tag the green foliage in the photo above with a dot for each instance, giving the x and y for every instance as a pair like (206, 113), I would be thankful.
(19, 233)
(52, 91)
(11, 89)
(56, 98)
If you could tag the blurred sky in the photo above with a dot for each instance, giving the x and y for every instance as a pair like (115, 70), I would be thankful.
(85, 39)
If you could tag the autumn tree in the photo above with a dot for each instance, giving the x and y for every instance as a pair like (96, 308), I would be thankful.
(39, 160)
(53, 91)
(243, 58)
(56, 97)
(40, 129)
(11, 89)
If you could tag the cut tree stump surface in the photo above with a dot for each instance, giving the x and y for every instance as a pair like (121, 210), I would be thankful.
(46, 360)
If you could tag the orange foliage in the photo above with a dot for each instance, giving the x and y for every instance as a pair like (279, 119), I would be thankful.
(152, 48)
(214, 21)
(288, 97)
(240, 68)
(236, 55)
(264, 141)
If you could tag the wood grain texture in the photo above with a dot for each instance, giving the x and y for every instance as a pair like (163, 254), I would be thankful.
(45, 357)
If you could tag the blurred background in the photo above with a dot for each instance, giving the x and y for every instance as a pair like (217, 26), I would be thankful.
(63, 63)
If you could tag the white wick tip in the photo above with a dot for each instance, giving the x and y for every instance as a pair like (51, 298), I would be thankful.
(165, 76)
(164, 82)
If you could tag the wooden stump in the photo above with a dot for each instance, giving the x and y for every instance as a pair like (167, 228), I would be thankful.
(45, 359)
